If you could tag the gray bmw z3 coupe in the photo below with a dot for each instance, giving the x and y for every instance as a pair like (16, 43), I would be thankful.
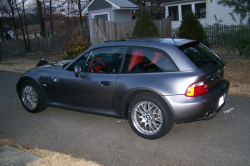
(152, 82)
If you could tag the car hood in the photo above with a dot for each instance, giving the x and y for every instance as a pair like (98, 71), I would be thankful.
(50, 66)
(60, 64)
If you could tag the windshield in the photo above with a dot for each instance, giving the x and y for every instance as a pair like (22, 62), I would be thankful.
(199, 54)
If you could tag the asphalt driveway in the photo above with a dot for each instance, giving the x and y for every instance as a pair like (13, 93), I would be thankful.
(224, 140)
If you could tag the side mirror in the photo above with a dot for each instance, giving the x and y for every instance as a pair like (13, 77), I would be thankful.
(77, 70)
(41, 62)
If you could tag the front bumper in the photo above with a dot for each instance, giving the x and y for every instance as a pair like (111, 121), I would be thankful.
(185, 109)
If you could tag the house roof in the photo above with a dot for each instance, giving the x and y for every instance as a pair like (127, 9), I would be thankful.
(178, 1)
(122, 4)
(118, 4)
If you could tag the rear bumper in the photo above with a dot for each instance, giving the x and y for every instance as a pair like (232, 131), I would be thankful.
(185, 109)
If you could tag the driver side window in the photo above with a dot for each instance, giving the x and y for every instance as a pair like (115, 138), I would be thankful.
(81, 61)
(105, 60)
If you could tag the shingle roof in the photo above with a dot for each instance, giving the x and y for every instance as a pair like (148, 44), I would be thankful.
(119, 4)
(178, 1)
(123, 3)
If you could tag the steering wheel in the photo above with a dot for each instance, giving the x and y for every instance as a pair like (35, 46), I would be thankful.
(97, 68)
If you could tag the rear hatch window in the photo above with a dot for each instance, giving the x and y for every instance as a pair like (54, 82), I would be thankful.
(199, 54)
(207, 61)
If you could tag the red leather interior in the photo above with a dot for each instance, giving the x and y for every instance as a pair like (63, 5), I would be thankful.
(136, 57)
(157, 56)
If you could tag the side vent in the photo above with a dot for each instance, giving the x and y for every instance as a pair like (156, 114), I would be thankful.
(45, 79)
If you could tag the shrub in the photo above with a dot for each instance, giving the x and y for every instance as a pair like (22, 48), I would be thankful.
(191, 28)
(238, 41)
(75, 45)
(144, 25)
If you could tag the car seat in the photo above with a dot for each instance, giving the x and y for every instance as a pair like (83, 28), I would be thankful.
(136, 61)
(156, 58)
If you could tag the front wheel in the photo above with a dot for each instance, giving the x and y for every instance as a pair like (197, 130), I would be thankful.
(31, 97)
(149, 116)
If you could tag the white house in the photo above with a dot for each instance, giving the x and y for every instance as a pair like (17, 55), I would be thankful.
(206, 11)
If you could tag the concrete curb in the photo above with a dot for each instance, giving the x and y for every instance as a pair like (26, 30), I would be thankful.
(14, 157)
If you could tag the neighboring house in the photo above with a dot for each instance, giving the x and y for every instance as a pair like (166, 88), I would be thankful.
(34, 30)
(110, 10)
(208, 12)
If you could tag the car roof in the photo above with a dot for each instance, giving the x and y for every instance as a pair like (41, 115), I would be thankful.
(170, 41)
(156, 42)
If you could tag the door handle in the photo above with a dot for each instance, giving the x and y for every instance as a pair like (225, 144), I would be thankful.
(105, 83)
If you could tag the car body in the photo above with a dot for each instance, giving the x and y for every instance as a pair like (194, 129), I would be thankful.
(152, 82)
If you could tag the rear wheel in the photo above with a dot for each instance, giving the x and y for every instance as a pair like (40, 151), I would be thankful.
(31, 97)
(149, 116)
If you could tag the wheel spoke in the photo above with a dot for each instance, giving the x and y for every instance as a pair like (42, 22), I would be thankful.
(151, 127)
(155, 124)
(150, 108)
(141, 111)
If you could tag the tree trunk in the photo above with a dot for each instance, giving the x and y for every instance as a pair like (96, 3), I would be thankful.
(44, 10)
(80, 12)
(21, 22)
(2, 34)
(51, 17)
(68, 12)
(27, 33)
(41, 19)
(14, 25)
(12, 8)
(1, 55)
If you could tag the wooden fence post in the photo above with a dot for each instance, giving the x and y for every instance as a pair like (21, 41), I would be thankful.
(217, 34)
(1, 55)
(48, 41)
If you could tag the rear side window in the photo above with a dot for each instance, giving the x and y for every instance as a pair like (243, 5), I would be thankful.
(147, 60)
(199, 54)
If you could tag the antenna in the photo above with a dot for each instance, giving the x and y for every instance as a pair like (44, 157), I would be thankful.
(174, 35)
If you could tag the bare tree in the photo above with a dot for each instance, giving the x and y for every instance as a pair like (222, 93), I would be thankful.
(21, 23)
(1, 55)
(51, 17)
(157, 11)
(25, 22)
(80, 12)
(2, 30)
(8, 7)
(41, 19)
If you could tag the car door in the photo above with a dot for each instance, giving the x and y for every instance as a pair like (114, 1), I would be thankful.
(95, 85)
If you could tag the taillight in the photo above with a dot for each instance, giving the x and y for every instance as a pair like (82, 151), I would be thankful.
(196, 89)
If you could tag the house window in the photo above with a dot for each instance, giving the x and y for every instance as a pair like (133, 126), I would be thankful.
(35, 35)
(103, 16)
(185, 8)
(173, 13)
(200, 10)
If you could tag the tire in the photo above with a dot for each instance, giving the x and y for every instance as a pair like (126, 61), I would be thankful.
(149, 116)
(31, 97)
